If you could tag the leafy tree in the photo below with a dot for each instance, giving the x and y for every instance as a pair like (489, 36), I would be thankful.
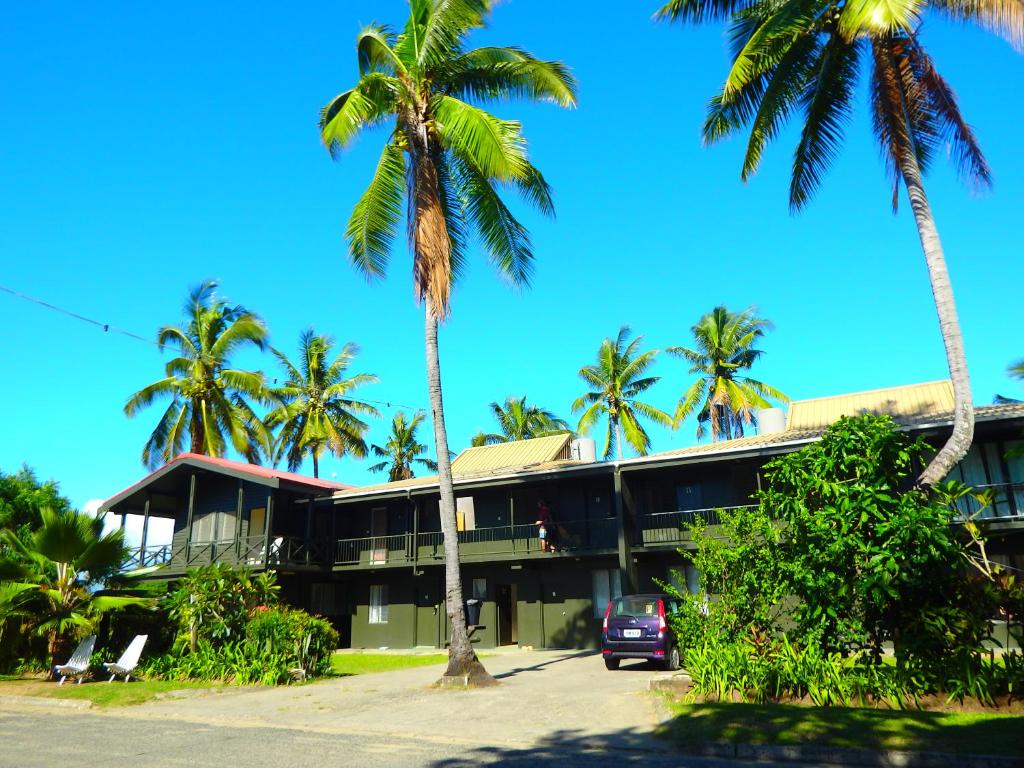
(795, 56)
(209, 405)
(727, 399)
(402, 450)
(64, 564)
(617, 378)
(519, 421)
(446, 160)
(23, 496)
(316, 410)
(872, 558)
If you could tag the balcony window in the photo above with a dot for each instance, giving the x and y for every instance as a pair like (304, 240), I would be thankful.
(214, 526)
(378, 603)
(465, 513)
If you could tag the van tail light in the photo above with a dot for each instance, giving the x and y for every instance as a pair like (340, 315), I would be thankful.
(662, 625)
(607, 613)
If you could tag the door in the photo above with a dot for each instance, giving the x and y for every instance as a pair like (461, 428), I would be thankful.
(505, 602)
(428, 612)
(379, 532)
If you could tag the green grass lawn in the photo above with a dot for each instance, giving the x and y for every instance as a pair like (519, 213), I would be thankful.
(959, 732)
(343, 664)
(101, 694)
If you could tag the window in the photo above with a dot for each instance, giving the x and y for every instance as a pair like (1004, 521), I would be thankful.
(215, 526)
(378, 603)
(607, 584)
(480, 589)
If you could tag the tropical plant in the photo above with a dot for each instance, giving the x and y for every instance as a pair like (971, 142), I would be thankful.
(446, 160)
(617, 379)
(519, 421)
(402, 450)
(212, 604)
(316, 410)
(62, 569)
(724, 349)
(209, 405)
(23, 496)
(807, 56)
(872, 559)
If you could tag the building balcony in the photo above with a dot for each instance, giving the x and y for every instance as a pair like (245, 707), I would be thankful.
(494, 543)
(661, 529)
(252, 551)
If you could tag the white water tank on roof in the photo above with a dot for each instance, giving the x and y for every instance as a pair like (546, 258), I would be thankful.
(771, 421)
(583, 449)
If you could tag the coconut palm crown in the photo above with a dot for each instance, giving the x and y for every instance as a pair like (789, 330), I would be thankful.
(209, 405)
(724, 350)
(402, 450)
(317, 411)
(519, 421)
(617, 379)
(805, 57)
(445, 163)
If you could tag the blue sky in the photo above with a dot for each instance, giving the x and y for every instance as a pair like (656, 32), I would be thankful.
(146, 147)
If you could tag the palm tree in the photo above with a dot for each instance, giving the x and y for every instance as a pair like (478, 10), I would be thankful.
(519, 421)
(446, 161)
(617, 378)
(795, 55)
(724, 349)
(402, 449)
(61, 567)
(316, 410)
(208, 397)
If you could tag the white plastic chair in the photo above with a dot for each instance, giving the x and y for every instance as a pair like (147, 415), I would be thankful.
(128, 661)
(78, 664)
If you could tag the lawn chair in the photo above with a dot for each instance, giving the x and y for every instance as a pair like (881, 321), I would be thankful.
(128, 661)
(78, 664)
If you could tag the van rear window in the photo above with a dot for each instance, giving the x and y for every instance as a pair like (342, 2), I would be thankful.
(638, 607)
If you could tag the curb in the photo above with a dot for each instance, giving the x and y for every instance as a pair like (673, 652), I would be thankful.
(848, 756)
(43, 702)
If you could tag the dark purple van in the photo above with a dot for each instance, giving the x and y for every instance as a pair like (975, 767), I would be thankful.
(635, 628)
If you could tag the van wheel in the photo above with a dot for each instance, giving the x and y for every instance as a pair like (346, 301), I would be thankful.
(672, 659)
(612, 664)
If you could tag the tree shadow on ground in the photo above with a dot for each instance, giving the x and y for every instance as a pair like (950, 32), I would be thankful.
(536, 667)
(846, 727)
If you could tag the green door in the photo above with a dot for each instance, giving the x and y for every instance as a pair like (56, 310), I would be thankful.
(429, 611)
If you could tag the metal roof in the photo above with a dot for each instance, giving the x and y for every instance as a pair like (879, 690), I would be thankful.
(518, 453)
(908, 405)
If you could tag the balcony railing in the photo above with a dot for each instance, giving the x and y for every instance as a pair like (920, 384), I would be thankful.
(667, 527)
(477, 543)
(1007, 503)
(147, 557)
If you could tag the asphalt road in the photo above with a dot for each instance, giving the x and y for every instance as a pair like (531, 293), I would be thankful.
(68, 739)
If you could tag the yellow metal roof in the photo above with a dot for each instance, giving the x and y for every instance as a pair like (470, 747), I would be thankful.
(909, 404)
(518, 454)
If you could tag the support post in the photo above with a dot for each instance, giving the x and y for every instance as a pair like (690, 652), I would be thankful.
(415, 532)
(145, 532)
(512, 518)
(266, 528)
(626, 565)
(238, 522)
(334, 534)
(309, 531)
(188, 524)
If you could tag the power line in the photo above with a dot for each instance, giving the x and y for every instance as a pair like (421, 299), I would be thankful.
(107, 327)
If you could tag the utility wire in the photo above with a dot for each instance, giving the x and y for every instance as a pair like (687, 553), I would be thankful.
(107, 327)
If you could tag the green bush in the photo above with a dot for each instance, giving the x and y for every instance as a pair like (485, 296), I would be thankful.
(274, 643)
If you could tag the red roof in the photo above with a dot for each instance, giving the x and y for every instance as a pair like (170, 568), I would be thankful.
(242, 467)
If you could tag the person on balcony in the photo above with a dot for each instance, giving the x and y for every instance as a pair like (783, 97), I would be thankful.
(545, 527)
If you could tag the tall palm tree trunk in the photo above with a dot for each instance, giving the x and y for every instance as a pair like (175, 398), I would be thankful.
(618, 437)
(462, 659)
(959, 441)
(316, 465)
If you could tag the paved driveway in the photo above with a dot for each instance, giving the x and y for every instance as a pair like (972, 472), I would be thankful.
(551, 706)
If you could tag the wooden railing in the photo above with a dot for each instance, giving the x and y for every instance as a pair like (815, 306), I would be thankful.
(667, 527)
(147, 557)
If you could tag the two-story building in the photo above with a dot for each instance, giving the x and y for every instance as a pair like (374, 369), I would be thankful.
(372, 558)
